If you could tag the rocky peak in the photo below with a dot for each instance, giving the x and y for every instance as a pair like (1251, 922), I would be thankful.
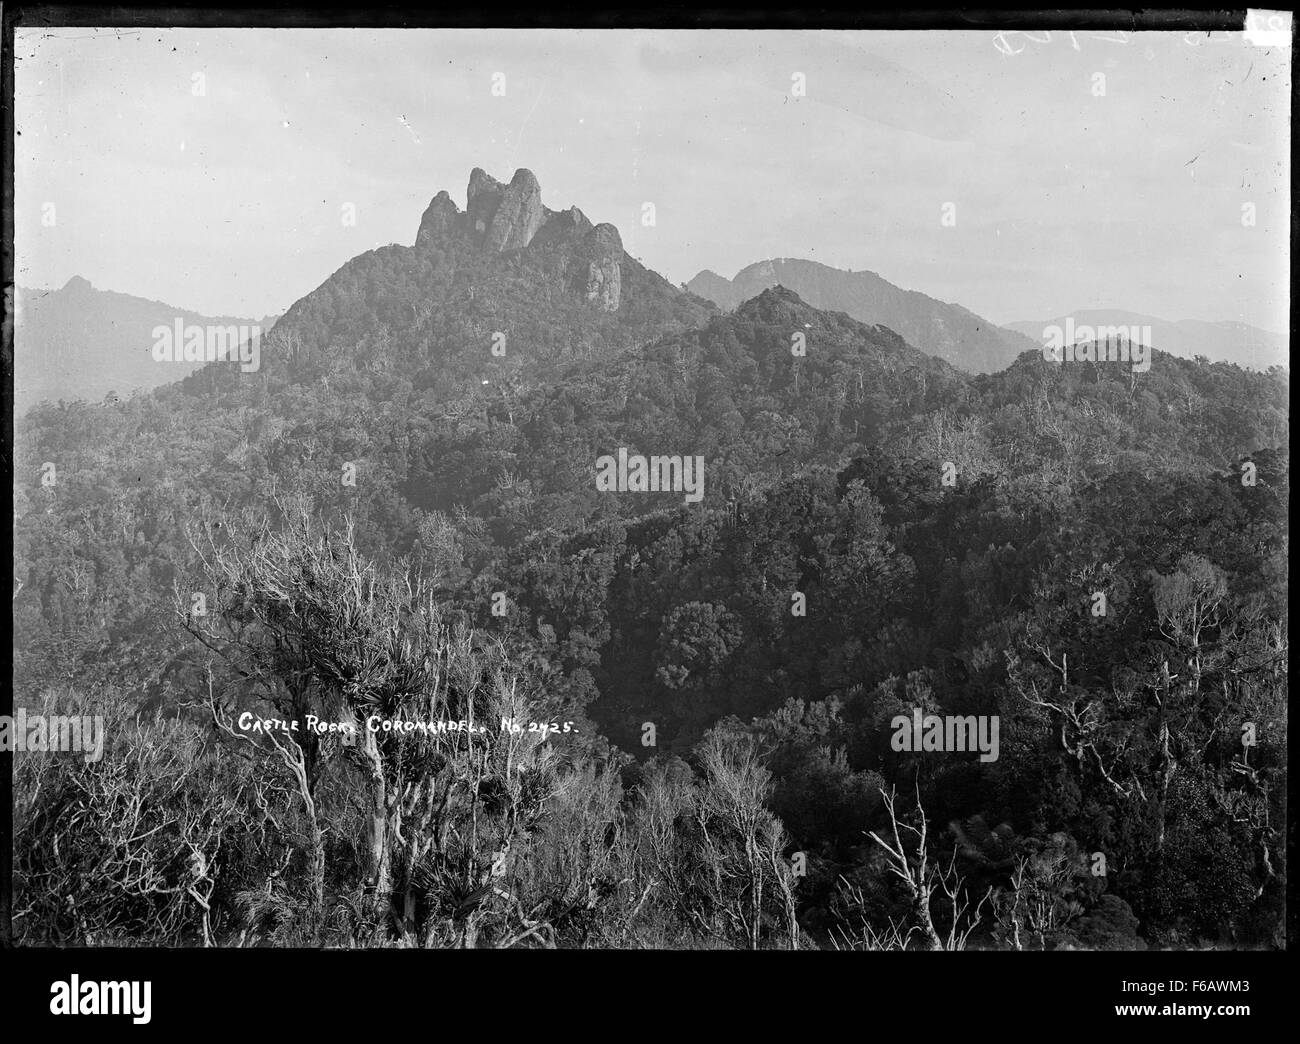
(504, 217)
(439, 220)
(573, 221)
(501, 218)
(509, 217)
(563, 227)
(482, 199)
(603, 249)
(518, 214)
(605, 238)
(481, 186)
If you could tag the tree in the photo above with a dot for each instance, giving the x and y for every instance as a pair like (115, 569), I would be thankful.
(921, 879)
(436, 715)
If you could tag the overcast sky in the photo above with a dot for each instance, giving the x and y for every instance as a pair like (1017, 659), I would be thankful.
(229, 201)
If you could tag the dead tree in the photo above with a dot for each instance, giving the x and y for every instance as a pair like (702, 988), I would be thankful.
(923, 879)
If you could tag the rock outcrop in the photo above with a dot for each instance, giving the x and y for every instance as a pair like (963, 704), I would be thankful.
(603, 249)
(518, 216)
(503, 218)
(570, 225)
(482, 199)
(439, 221)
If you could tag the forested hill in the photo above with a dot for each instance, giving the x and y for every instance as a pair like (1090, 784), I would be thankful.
(506, 288)
(509, 455)
(945, 535)
(968, 341)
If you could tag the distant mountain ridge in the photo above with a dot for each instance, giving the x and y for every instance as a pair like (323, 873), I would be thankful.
(1239, 343)
(78, 342)
(949, 331)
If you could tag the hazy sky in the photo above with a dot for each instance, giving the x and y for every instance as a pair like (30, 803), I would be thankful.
(230, 201)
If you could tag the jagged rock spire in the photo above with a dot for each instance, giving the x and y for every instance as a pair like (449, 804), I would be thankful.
(439, 220)
(503, 218)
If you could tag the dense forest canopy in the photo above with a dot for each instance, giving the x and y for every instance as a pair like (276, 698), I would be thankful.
(391, 514)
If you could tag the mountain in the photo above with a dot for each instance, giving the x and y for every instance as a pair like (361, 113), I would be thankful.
(1230, 342)
(949, 331)
(507, 286)
(878, 534)
(81, 343)
(730, 391)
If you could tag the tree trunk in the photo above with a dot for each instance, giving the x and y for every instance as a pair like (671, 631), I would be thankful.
(921, 911)
(378, 877)
(317, 860)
